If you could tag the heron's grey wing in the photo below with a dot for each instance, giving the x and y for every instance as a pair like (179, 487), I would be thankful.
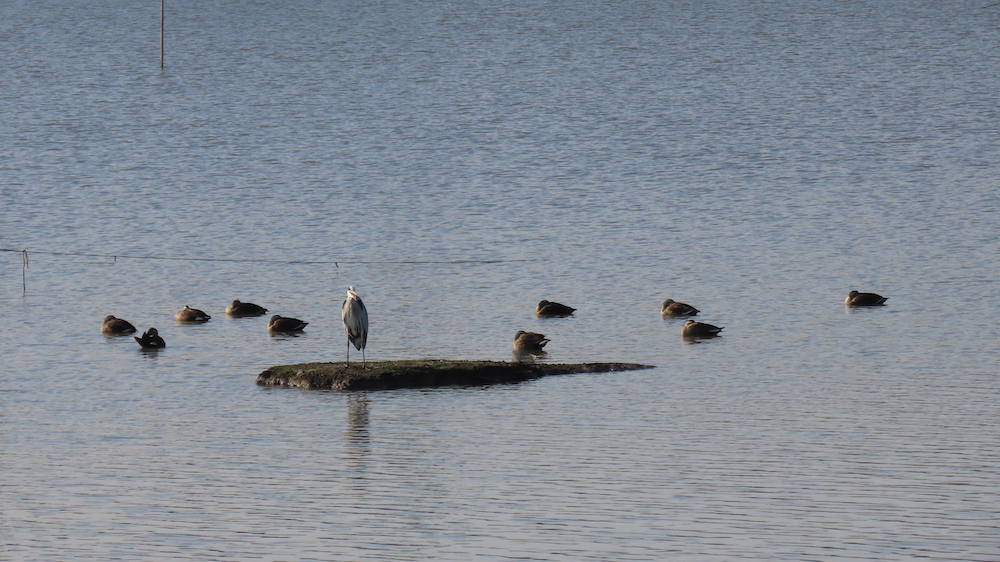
(363, 314)
(362, 319)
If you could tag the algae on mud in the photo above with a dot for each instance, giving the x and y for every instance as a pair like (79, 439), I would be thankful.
(422, 373)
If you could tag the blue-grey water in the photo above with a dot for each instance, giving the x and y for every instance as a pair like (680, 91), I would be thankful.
(457, 162)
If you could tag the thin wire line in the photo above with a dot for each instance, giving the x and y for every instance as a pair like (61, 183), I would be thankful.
(256, 260)
(336, 263)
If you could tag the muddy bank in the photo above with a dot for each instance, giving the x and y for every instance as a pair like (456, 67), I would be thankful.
(422, 373)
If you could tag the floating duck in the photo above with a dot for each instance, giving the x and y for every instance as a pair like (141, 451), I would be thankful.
(239, 309)
(117, 326)
(694, 329)
(553, 309)
(529, 342)
(188, 314)
(279, 323)
(674, 309)
(151, 340)
(865, 299)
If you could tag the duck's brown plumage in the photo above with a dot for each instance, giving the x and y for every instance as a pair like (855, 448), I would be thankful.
(117, 326)
(693, 329)
(529, 342)
(188, 314)
(553, 309)
(151, 340)
(865, 299)
(674, 308)
(238, 308)
(285, 324)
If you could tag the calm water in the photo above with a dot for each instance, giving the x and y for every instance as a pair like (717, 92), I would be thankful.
(457, 162)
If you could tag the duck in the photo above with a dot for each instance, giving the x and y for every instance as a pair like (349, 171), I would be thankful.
(673, 308)
(151, 340)
(865, 299)
(117, 326)
(279, 323)
(239, 309)
(529, 342)
(694, 329)
(188, 314)
(553, 309)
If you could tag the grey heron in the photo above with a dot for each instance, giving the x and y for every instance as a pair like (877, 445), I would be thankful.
(355, 317)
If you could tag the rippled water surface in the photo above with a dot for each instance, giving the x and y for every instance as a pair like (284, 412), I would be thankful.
(457, 162)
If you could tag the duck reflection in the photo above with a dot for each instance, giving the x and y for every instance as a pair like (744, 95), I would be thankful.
(520, 356)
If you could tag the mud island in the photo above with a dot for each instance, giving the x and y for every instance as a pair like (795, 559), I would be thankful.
(423, 373)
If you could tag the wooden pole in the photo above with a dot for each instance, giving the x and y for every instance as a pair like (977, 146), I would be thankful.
(161, 32)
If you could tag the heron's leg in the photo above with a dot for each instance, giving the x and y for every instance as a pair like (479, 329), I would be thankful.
(364, 362)
(348, 352)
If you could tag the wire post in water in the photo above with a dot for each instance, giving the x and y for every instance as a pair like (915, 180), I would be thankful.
(161, 32)
(24, 274)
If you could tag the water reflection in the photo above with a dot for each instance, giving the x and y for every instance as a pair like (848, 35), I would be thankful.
(520, 356)
(357, 418)
(704, 338)
(286, 335)
(864, 309)
(357, 441)
(694, 341)
(115, 338)
(774, 444)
